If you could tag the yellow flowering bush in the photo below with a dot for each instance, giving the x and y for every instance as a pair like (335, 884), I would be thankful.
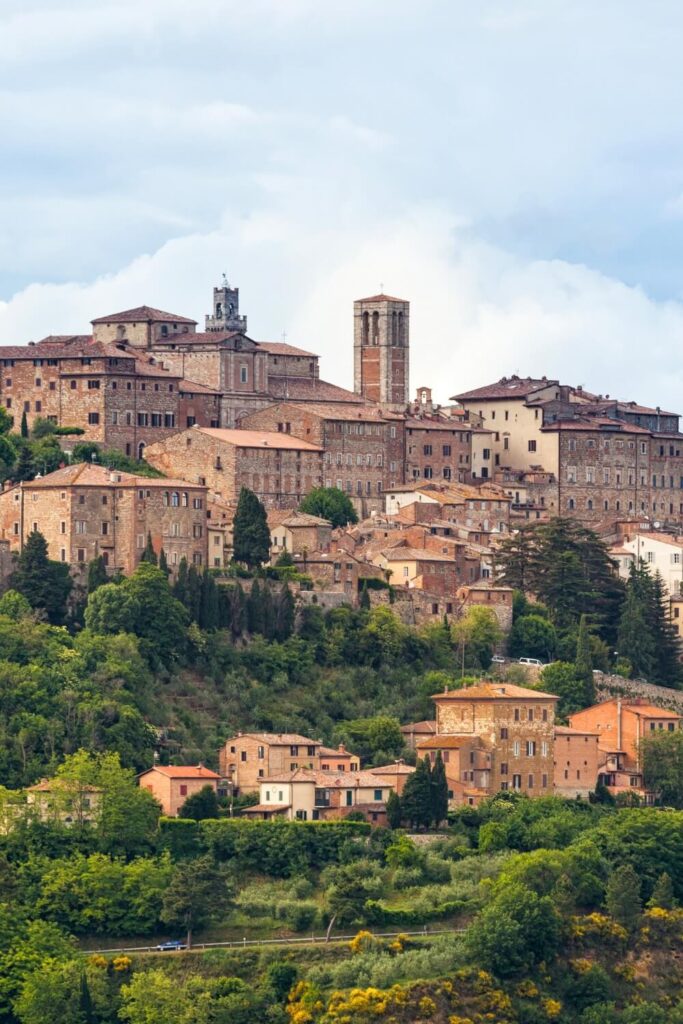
(581, 965)
(365, 942)
(98, 961)
(122, 963)
(592, 927)
(454, 1019)
(427, 1007)
(552, 1008)
(527, 990)
(661, 925)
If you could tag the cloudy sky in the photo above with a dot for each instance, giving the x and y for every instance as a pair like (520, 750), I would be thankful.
(513, 167)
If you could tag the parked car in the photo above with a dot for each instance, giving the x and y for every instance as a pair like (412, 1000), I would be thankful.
(531, 661)
(497, 660)
(171, 945)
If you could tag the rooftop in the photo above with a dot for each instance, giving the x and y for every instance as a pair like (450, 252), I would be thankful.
(258, 439)
(88, 474)
(507, 387)
(401, 554)
(494, 691)
(143, 314)
(288, 739)
(281, 348)
(183, 771)
(311, 389)
(426, 726)
(381, 298)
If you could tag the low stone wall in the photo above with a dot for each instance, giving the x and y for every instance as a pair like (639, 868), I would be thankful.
(608, 686)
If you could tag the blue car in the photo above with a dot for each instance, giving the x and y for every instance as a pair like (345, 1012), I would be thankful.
(167, 947)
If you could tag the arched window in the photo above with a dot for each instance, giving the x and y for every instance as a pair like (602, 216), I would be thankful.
(175, 499)
(375, 328)
(394, 328)
(166, 497)
(606, 503)
(185, 499)
(219, 310)
(401, 330)
(589, 504)
(366, 328)
(141, 449)
(570, 503)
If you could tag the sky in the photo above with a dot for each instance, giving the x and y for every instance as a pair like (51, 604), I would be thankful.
(514, 168)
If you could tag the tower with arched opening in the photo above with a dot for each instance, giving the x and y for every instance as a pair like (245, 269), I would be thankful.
(381, 350)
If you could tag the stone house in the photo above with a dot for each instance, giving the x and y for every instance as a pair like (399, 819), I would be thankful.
(84, 511)
(577, 762)
(420, 568)
(437, 449)
(65, 800)
(172, 784)
(247, 758)
(279, 468)
(298, 533)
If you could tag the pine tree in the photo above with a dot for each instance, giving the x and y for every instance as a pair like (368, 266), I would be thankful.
(97, 574)
(636, 642)
(163, 563)
(667, 670)
(86, 1007)
(149, 554)
(516, 559)
(24, 425)
(583, 664)
(663, 893)
(284, 614)
(394, 810)
(622, 898)
(416, 799)
(439, 791)
(45, 584)
(364, 597)
(251, 536)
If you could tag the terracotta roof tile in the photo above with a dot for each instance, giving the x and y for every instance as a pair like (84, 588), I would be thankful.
(494, 691)
(183, 771)
(142, 314)
(381, 298)
(281, 348)
(307, 389)
(507, 387)
(259, 439)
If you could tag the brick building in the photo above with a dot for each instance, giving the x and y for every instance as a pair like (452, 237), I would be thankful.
(381, 350)
(577, 762)
(313, 795)
(298, 533)
(248, 758)
(279, 468)
(172, 784)
(85, 511)
(437, 450)
(492, 737)
(363, 447)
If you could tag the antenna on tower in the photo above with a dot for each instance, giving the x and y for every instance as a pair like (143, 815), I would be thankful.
(225, 280)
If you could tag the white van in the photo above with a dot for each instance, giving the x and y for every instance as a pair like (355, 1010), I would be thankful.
(531, 661)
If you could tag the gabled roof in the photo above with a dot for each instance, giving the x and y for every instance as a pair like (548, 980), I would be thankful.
(392, 769)
(142, 314)
(425, 727)
(275, 739)
(258, 439)
(88, 474)
(565, 730)
(494, 691)
(281, 348)
(401, 554)
(507, 387)
(381, 298)
(311, 389)
(182, 771)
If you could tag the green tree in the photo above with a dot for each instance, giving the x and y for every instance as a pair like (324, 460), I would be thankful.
(200, 892)
(24, 425)
(364, 602)
(662, 759)
(208, 602)
(394, 810)
(97, 574)
(180, 585)
(663, 893)
(371, 737)
(155, 997)
(439, 791)
(142, 605)
(14, 605)
(25, 468)
(163, 563)
(329, 503)
(416, 799)
(149, 554)
(477, 634)
(622, 897)
(71, 992)
(45, 584)
(636, 637)
(255, 616)
(516, 929)
(284, 614)
(517, 559)
(532, 636)
(201, 805)
(583, 663)
(561, 679)
(251, 536)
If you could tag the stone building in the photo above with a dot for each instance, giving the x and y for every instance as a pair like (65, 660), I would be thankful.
(298, 533)
(577, 762)
(85, 511)
(437, 449)
(493, 737)
(172, 784)
(381, 350)
(247, 758)
(363, 447)
(313, 795)
(279, 468)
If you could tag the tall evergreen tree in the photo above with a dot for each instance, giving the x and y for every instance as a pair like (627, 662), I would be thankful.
(24, 425)
(364, 597)
(194, 593)
(208, 605)
(635, 639)
(516, 559)
(180, 585)
(25, 468)
(163, 563)
(149, 554)
(663, 893)
(667, 671)
(45, 584)
(251, 536)
(622, 897)
(97, 574)
(439, 791)
(255, 617)
(284, 614)
(238, 612)
(394, 810)
(583, 664)
(416, 799)
(268, 612)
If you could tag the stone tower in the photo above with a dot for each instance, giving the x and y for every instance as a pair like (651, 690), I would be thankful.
(381, 350)
(226, 310)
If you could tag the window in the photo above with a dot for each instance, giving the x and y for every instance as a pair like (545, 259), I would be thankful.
(105, 528)
(531, 782)
(427, 449)
(93, 385)
(243, 755)
(93, 417)
(244, 375)
(503, 768)
(516, 781)
(515, 748)
(532, 446)
(504, 733)
(183, 789)
(446, 450)
(530, 748)
(378, 795)
(516, 714)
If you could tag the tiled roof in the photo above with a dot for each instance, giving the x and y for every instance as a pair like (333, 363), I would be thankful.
(195, 388)
(445, 742)
(47, 785)
(391, 769)
(280, 348)
(334, 752)
(427, 726)
(201, 338)
(596, 424)
(311, 389)
(183, 771)
(507, 387)
(88, 474)
(144, 368)
(142, 314)
(259, 439)
(401, 554)
(303, 519)
(649, 710)
(66, 339)
(445, 424)
(564, 730)
(265, 809)
(381, 298)
(286, 739)
(494, 691)
(330, 780)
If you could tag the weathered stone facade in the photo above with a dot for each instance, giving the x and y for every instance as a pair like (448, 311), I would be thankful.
(381, 347)
(85, 511)
(280, 469)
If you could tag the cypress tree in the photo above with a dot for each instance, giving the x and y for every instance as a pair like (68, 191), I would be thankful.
(97, 574)
(663, 893)
(238, 612)
(583, 664)
(24, 425)
(416, 799)
(24, 468)
(45, 584)
(255, 619)
(268, 613)
(149, 554)
(636, 641)
(394, 810)
(284, 614)
(251, 536)
(439, 791)
(208, 609)
(622, 897)
(180, 585)
(163, 563)
(364, 597)
(667, 670)
(194, 593)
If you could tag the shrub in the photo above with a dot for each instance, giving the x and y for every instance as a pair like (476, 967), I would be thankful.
(299, 915)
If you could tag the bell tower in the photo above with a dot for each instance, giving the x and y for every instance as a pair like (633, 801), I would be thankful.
(381, 350)
(226, 311)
